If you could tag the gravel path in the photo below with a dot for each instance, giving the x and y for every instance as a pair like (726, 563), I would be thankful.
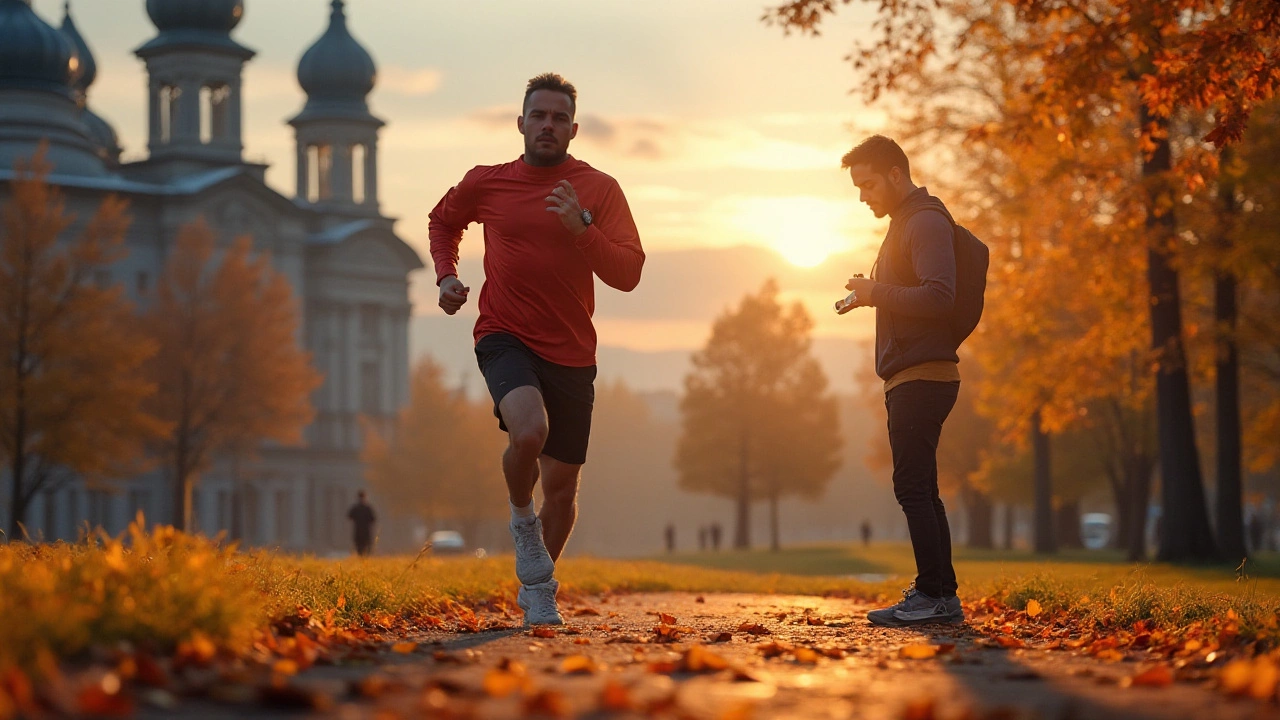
(730, 657)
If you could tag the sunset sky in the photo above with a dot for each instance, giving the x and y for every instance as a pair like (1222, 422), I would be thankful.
(725, 135)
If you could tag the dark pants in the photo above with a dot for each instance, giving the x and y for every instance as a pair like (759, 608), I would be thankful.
(917, 410)
(364, 543)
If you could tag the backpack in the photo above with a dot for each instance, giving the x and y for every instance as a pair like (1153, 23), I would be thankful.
(973, 258)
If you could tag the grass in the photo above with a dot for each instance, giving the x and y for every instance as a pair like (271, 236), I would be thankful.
(156, 590)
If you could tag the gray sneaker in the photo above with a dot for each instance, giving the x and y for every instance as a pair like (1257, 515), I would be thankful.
(539, 603)
(533, 565)
(916, 608)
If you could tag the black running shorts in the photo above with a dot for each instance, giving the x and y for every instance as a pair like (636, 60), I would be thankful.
(568, 392)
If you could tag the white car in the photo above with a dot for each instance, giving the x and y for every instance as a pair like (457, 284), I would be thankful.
(447, 542)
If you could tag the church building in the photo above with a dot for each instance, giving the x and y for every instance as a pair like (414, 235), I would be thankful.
(328, 236)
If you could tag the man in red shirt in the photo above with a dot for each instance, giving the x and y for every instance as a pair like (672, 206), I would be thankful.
(551, 222)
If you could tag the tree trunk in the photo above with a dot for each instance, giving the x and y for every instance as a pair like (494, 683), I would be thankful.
(774, 544)
(742, 529)
(1068, 525)
(1185, 532)
(1124, 518)
(1009, 521)
(981, 514)
(1230, 505)
(1138, 482)
(1044, 537)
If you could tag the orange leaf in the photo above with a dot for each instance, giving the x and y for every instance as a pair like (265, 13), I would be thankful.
(1007, 641)
(666, 619)
(542, 632)
(582, 612)
(754, 629)
(919, 651)
(1156, 676)
(722, 637)
(615, 697)
(577, 664)
(1033, 608)
(404, 648)
(806, 656)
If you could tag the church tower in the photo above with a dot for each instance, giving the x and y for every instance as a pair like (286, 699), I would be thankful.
(195, 86)
(337, 136)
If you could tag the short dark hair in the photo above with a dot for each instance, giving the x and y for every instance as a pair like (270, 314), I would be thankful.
(881, 153)
(551, 81)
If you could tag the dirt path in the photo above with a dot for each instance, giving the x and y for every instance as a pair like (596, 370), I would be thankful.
(756, 656)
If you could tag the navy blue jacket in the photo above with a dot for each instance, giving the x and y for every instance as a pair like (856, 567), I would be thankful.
(916, 290)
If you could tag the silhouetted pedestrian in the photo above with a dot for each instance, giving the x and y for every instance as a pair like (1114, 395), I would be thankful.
(670, 536)
(866, 532)
(702, 538)
(715, 536)
(362, 522)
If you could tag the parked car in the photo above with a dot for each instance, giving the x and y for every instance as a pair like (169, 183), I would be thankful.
(1095, 530)
(447, 542)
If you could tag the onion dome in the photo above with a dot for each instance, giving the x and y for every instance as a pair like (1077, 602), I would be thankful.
(86, 67)
(336, 72)
(33, 54)
(203, 24)
(218, 16)
(105, 141)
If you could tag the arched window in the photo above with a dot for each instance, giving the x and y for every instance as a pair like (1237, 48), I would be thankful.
(358, 154)
(319, 171)
(169, 95)
(214, 112)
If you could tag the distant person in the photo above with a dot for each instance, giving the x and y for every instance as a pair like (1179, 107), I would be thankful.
(1256, 531)
(702, 538)
(362, 521)
(913, 287)
(669, 535)
(866, 532)
(552, 224)
(715, 536)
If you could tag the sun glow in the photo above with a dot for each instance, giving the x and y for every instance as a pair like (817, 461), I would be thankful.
(804, 230)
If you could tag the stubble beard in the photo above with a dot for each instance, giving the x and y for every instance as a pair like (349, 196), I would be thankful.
(543, 158)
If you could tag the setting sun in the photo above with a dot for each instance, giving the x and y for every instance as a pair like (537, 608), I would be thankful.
(804, 230)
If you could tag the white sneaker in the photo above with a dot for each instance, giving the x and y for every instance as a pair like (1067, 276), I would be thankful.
(533, 564)
(539, 603)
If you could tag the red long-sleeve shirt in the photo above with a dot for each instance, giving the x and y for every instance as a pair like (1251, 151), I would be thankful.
(538, 283)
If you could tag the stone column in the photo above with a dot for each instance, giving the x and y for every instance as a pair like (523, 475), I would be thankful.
(371, 173)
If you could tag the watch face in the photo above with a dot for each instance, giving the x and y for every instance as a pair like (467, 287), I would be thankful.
(586, 217)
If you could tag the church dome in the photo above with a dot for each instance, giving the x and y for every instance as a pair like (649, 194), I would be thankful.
(220, 16)
(86, 67)
(33, 54)
(336, 68)
(105, 141)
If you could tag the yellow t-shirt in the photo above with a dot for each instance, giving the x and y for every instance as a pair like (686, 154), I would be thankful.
(935, 370)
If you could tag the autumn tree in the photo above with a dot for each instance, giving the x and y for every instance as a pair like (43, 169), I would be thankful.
(441, 458)
(1218, 55)
(71, 386)
(229, 371)
(758, 421)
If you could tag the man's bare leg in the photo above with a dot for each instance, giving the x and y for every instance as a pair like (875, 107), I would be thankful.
(559, 502)
(526, 419)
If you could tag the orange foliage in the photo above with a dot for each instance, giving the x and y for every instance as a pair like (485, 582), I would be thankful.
(71, 389)
(230, 371)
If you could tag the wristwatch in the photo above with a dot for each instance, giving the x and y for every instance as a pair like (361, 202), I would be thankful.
(586, 217)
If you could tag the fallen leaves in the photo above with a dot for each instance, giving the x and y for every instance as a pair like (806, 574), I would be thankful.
(754, 629)
(1033, 608)
(1154, 676)
(1256, 677)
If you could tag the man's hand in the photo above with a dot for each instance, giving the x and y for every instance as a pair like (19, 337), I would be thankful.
(863, 287)
(563, 201)
(453, 294)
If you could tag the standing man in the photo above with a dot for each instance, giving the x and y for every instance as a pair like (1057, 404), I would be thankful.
(362, 521)
(913, 289)
(551, 222)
